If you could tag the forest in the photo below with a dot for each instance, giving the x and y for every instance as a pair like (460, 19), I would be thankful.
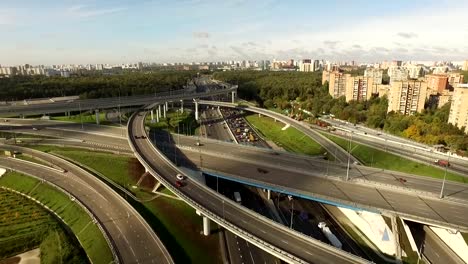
(280, 89)
(92, 86)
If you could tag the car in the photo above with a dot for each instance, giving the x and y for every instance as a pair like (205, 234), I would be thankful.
(137, 137)
(179, 184)
(5, 120)
(34, 128)
(180, 177)
(401, 180)
(198, 143)
(262, 170)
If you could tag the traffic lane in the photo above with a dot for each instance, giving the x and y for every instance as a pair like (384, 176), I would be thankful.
(437, 251)
(110, 209)
(321, 167)
(282, 239)
(362, 195)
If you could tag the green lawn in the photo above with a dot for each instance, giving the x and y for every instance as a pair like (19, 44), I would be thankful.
(290, 139)
(185, 121)
(384, 160)
(76, 218)
(31, 159)
(182, 238)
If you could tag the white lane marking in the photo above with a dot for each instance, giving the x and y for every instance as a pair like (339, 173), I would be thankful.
(284, 241)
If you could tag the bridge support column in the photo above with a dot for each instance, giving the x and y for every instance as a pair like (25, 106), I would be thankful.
(396, 237)
(269, 194)
(181, 106)
(97, 116)
(196, 110)
(152, 115)
(167, 106)
(206, 226)
(158, 114)
(165, 109)
(233, 96)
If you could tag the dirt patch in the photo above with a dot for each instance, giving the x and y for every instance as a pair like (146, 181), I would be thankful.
(148, 182)
(13, 260)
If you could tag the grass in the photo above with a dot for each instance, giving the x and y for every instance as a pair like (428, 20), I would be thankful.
(31, 159)
(181, 238)
(76, 218)
(185, 121)
(290, 139)
(380, 159)
(465, 236)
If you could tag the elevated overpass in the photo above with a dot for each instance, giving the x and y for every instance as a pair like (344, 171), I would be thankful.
(287, 244)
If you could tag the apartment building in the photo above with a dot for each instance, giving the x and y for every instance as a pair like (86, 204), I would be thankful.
(436, 83)
(376, 74)
(358, 88)
(465, 66)
(407, 97)
(397, 73)
(337, 84)
(455, 78)
(458, 115)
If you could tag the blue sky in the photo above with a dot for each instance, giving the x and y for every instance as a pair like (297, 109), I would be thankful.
(92, 31)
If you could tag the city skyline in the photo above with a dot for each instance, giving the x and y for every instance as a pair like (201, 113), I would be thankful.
(197, 30)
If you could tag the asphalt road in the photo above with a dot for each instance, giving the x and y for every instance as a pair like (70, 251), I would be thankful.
(101, 103)
(135, 241)
(437, 251)
(240, 251)
(299, 168)
(274, 234)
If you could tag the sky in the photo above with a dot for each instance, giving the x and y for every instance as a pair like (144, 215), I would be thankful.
(123, 31)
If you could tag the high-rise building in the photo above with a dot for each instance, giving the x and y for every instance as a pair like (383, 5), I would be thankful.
(454, 79)
(306, 66)
(375, 74)
(316, 65)
(458, 115)
(407, 97)
(397, 73)
(337, 84)
(414, 71)
(436, 83)
(465, 66)
(358, 88)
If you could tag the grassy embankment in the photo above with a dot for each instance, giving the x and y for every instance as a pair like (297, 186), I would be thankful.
(56, 245)
(381, 159)
(86, 118)
(181, 237)
(290, 139)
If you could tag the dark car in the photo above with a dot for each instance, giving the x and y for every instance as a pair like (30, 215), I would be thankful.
(179, 184)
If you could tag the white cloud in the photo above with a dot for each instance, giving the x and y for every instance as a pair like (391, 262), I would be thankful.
(82, 11)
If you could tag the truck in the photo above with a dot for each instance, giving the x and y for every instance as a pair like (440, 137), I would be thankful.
(237, 197)
(330, 236)
(443, 163)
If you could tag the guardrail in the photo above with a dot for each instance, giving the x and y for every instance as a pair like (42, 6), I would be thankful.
(110, 243)
(235, 229)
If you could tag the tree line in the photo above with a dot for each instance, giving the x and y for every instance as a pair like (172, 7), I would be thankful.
(279, 89)
(93, 86)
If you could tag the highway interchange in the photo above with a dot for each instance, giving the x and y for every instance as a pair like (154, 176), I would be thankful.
(98, 135)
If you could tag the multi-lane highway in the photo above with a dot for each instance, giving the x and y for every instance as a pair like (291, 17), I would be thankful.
(304, 172)
(103, 103)
(133, 238)
(280, 241)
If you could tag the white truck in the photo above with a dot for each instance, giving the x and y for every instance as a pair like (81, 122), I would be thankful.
(330, 236)
(237, 197)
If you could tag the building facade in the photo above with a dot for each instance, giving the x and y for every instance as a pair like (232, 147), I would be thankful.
(436, 83)
(337, 84)
(397, 73)
(358, 88)
(407, 97)
(458, 115)
(376, 74)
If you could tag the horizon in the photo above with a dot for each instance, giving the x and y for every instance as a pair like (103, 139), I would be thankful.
(116, 32)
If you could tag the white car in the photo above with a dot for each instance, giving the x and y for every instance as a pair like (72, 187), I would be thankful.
(180, 176)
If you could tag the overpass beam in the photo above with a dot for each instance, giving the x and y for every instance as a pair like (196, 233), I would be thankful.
(206, 226)
(396, 238)
(97, 116)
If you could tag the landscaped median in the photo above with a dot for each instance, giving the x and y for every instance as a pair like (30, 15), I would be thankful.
(182, 238)
(70, 212)
(290, 139)
(381, 159)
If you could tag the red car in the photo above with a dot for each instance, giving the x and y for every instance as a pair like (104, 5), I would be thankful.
(179, 184)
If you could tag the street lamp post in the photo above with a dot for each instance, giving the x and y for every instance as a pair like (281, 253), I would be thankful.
(349, 157)
(81, 117)
(443, 182)
(292, 213)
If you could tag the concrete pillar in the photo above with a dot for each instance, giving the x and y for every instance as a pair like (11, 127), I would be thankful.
(159, 110)
(97, 116)
(196, 110)
(158, 114)
(165, 109)
(396, 238)
(206, 226)
(152, 115)
(167, 106)
(269, 194)
(233, 93)
(181, 106)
